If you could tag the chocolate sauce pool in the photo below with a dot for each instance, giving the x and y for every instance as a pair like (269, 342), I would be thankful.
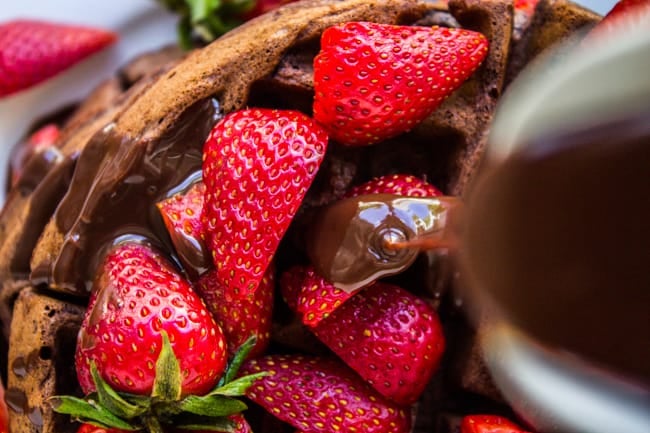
(116, 183)
(559, 236)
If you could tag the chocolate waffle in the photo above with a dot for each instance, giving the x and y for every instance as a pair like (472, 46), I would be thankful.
(140, 136)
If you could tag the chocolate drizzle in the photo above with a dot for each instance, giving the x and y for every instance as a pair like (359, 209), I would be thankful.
(128, 176)
(352, 241)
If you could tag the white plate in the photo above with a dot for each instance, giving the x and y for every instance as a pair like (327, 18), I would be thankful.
(142, 26)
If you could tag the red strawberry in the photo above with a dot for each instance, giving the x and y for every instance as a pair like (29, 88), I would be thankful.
(33, 51)
(40, 139)
(241, 318)
(261, 7)
(241, 425)
(136, 296)
(181, 214)
(310, 295)
(322, 396)
(392, 338)
(376, 81)
(625, 15)
(488, 424)
(257, 167)
(525, 6)
(398, 184)
(90, 428)
(4, 416)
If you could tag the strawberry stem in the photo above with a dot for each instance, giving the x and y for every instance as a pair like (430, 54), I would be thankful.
(165, 406)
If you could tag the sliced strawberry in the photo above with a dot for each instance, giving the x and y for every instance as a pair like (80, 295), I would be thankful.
(181, 214)
(322, 396)
(310, 295)
(241, 318)
(398, 184)
(33, 51)
(393, 339)
(136, 296)
(488, 424)
(258, 165)
(376, 81)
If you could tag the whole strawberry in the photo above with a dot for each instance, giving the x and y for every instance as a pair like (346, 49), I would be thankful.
(33, 51)
(398, 184)
(136, 297)
(241, 318)
(390, 337)
(318, 395)
(257, 167)
(376, 81)
(488, 424)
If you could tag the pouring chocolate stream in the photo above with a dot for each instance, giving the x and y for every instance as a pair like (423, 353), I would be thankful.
(360, 239)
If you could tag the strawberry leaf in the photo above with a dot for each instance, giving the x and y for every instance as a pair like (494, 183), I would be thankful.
(211, 405)
(200, 10)
(196, 422)
(111, 400)
(239, 386)
(238, 360)
(167, 384)
(90, 411)
(207, 19)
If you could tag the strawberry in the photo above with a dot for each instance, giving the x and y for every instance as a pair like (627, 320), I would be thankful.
(376, 81)
(310, 295)
(40, 139)
(241, 318)
(257, 167)
(322, 396)
(261, 7)
(625, 14)
(33, 51)
(398, 184)
(4, 415)
(526, 6)
(488, 424)
(390, 337)
(181, 214)
(136, 296)
(90, 428)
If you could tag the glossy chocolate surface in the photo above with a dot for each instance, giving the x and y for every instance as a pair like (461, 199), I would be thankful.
(113, 193)
(352, 242)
